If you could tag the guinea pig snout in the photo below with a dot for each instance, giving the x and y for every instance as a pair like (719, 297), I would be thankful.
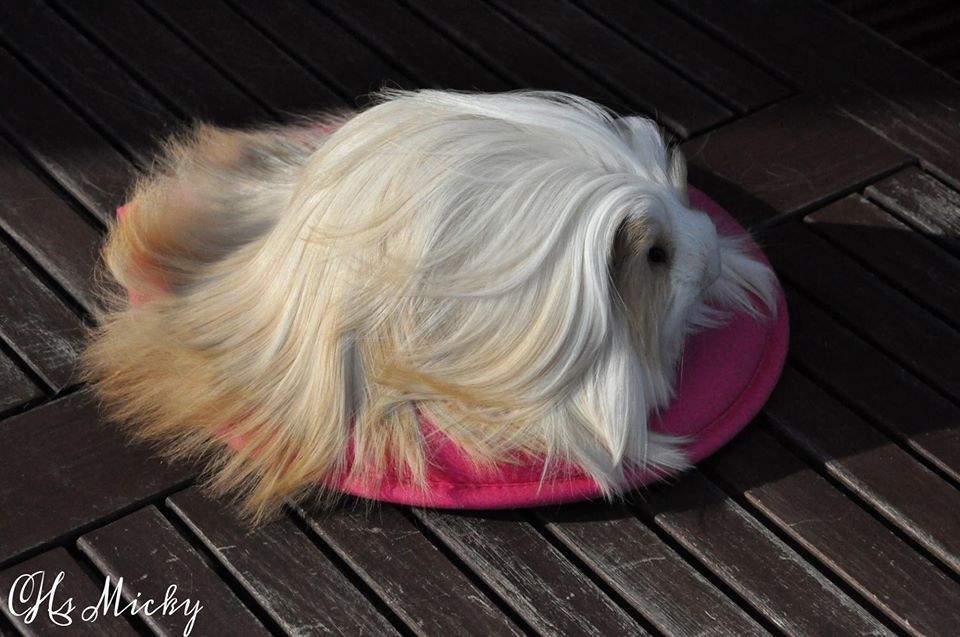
(704, 246)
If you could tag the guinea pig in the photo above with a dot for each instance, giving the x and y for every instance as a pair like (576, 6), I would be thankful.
(520, 270)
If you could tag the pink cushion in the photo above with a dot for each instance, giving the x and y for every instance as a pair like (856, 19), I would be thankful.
(727, 375)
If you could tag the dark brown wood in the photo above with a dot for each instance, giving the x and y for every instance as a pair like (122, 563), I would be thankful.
(604, 53)
(499, 42)
(409, 573)
(45, 226)
(292, 580)
(899, 488)
(148, 553)
(63, 469)
(248, 56)
(542, 586)
(928, 205)
(36, 324)
(784, 159)
(893, 398)
(412, 45)
(738, 82)
(890, 248)
(15, 387)
(142, 43)
(890, 320)
(844, 537)
(96, 85)
(75, 585)
(311, 37)
(750, 559)
(642, 569)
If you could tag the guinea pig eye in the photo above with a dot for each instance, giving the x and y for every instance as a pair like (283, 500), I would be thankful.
(657, 255)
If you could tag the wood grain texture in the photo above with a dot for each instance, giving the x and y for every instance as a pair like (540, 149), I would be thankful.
(285, 573)
(15, 387)
(844, 537)
(767, 573)
(869, 464)
(62, 468)
(149, 554)
(410, 574)
(75, 584)
(36, 324)
(528, 573)
(607, 55)
(652, 577)
(928, 205)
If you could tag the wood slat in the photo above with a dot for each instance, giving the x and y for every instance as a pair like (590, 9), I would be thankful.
(36, 324)
(914, 265)
(890, 320)
(647, 573)
(96, 85)
(923, 202)
(408, 572)
(62, 468)
(844, 537)
(528, 573)
(15, 387)
(161, 59)
(148, 553)
(606, 54)
(499, 42)
(311, 37)
(75, 584)
(45, 226)
(412, 45)
(760, 169)
(281, 568)
(248, 56)
(875, 385)
(767, 573)
(698, 56)
(871, 466)
(72, 152)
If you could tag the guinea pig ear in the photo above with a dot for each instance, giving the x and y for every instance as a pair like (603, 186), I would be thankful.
(678, 175)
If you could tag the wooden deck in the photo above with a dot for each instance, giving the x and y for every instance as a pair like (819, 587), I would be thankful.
(836, 512)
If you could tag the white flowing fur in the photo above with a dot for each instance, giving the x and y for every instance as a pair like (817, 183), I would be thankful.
(483, 260)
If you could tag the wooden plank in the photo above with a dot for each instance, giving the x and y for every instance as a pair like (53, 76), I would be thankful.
(311, 36)
(642, 569)
(875, 385)
(887, 318)
(143, 45)
(45, 226)
(760, 169)
(75, 585)
(499, 42)
(920, 598)
(62, 468)
(528, 572)
(606, 54)
(15, 387)
(148, 554)
(96, 85)
(412, 45)
(34, 322)
(914, 265)
(750, 559)
(869, 464)
(281, 568)
(72, 152)
(409, 573)
(248, 56)
(924, 203)
(697, 55)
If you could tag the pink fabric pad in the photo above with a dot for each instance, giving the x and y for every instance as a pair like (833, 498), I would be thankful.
(727, 375)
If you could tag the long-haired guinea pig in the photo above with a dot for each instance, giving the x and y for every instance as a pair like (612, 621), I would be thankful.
(520, 270)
